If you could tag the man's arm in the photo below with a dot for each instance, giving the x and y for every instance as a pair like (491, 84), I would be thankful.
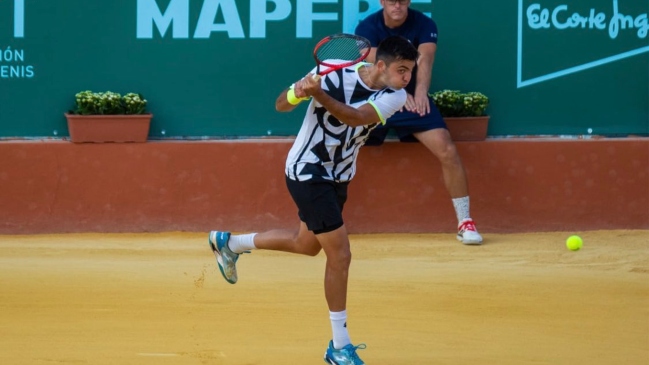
(424, 76)
(371, 57)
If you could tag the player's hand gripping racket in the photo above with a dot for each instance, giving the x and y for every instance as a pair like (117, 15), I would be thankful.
(339, 51)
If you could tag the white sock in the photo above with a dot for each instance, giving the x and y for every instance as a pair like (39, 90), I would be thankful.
(339, 327)
(461, 208)
(242, 242)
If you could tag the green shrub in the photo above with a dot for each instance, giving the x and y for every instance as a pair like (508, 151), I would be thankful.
(453, 103)
(108, 103)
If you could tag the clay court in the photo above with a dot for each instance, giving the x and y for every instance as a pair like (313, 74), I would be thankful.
(415, 299)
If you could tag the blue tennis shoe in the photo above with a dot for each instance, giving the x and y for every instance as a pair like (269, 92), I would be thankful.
(226, 259)
(345, 356)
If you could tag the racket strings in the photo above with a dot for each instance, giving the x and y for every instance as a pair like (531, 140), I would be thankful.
(346, 49)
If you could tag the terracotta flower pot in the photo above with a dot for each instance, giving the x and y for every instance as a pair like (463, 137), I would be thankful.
(108, 128)
(467, 128)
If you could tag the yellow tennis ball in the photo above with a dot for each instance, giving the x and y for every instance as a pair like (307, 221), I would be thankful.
(574, 243)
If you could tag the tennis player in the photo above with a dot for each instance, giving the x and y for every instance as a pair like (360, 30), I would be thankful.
(345, 105)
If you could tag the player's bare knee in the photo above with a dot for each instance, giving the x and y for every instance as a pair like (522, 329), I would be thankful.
(340, 259)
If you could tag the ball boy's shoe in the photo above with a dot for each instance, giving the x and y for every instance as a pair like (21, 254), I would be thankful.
(468, 234)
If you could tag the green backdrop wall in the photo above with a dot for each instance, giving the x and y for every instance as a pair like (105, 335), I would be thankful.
(212, 68)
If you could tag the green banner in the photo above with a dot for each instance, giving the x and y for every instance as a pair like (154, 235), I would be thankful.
(212, 68)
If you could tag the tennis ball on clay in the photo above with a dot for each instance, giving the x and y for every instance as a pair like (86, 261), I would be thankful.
(574, 243)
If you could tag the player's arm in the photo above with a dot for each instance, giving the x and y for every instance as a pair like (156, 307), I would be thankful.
(290, 98)
(365, 114)
(282, 104)
(424, 76)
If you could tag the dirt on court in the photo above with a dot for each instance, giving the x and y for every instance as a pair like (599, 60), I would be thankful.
(419, 299)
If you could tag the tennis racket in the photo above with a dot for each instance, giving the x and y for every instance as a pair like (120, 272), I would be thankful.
(338, 51)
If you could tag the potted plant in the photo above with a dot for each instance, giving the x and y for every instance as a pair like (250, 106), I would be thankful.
(464, 114)
(108, 117)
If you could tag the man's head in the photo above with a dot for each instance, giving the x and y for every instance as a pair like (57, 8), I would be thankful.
(396, 58)
(395, 12)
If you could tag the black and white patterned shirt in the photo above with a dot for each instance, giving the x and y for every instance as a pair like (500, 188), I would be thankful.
(325, 148)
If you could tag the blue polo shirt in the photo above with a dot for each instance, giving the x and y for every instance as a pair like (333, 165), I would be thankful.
(418, 28)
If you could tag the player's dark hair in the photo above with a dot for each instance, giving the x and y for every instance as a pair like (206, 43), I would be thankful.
(396, 48)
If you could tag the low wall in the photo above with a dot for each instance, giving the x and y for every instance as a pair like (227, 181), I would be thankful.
(516, 185)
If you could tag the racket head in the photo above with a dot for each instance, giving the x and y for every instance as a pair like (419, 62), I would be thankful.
(340, 50)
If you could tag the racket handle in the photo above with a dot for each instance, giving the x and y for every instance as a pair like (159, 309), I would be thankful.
(316, 77)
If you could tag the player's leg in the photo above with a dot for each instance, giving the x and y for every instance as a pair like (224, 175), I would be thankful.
(228, 247)
(320, 206)
(302, 241)
(335, 245)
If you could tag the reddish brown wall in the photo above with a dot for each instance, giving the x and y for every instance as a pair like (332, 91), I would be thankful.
(516, 185)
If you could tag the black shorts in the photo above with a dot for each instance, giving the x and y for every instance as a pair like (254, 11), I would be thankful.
(319, 203)
(405, 124)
